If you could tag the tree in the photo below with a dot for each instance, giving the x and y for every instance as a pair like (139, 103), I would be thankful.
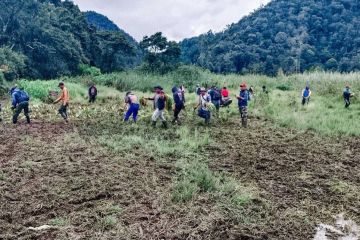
(161, 55)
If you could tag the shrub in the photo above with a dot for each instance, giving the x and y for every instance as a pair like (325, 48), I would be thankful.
(89, 70)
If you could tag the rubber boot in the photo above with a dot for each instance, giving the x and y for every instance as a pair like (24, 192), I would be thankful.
(153, 123)
(164, 124)
(28, 119)
(244, 123)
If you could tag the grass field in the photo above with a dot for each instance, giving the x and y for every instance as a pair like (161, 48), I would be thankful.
(294, 168)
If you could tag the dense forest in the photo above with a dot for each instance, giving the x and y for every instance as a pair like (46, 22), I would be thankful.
(289, 36)
(51, 38)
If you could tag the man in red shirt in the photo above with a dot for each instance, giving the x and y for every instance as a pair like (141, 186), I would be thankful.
(225, 100)
(225, 93)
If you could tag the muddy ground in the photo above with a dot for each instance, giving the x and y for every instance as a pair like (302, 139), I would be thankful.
(57, 173)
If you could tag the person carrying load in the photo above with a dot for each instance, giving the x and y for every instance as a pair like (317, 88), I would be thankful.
(225, 97)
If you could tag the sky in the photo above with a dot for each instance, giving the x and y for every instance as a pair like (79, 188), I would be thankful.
(177, 19)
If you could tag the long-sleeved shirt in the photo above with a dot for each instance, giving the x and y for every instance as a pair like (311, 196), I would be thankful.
(243, 99)
(64, 96)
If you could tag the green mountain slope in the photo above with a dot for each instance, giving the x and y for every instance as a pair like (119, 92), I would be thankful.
(51, 38)
(293, 36)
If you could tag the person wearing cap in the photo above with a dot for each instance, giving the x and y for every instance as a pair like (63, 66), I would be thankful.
(64, 98)
(20, 102)
(243, 99)
(92, 93)
(179, 103)
(159, 106)
(131, 100)
(202, 106)
(306, 94)
(347, 95)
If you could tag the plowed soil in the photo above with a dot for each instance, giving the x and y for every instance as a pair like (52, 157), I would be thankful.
(52, 170)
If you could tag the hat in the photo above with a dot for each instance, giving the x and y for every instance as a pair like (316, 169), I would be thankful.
(202, 89)
(243, 86)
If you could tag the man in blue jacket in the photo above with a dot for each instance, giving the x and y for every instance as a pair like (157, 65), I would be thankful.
(347, 95)
(243, 99)
(20, 102)
(179, 101)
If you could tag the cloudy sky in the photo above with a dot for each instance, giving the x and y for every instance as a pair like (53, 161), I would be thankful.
(177, 19)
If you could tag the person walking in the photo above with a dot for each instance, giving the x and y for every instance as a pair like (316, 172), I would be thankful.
(20, 102)
(159, 106)
(179, 101)
(243, 99)
(92, 93)
(131, 100)
(64, 98)
(306, 94)
(202, 106)
(347, 95)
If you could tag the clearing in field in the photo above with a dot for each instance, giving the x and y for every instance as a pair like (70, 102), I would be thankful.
(98, 178)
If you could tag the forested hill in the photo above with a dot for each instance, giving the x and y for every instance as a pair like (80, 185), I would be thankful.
(289, 35)
(103, 23)
(51, 38)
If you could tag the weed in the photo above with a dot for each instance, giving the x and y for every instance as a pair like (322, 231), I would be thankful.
(59, 222)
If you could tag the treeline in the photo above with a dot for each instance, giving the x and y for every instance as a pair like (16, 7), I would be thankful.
(289, 36)
(51, 38)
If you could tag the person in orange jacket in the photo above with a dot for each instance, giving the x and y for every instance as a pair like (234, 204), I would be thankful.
(64, 98)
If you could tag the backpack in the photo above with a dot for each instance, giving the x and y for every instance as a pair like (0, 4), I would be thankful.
(24, 96)
(216, 95)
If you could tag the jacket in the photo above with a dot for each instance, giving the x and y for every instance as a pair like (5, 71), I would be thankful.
(19, 96)
(244, 94)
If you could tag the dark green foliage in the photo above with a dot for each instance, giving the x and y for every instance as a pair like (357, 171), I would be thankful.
(295, 36)
(161, 55)
(104, 24)
(53, 38)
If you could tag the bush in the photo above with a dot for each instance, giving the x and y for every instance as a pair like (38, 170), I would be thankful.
(283, 87)
(89, 70)
(187, 75)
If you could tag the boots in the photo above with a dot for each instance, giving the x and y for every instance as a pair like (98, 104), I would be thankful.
(164, 124)
(28, 119)
(244, 123)
(153, 124)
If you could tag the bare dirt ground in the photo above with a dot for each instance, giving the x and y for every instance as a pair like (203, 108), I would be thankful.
(60, 173)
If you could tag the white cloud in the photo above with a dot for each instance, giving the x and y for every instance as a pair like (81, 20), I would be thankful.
(177, 19)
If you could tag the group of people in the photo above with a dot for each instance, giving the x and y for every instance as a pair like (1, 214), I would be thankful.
(347, 95)
(208, 99)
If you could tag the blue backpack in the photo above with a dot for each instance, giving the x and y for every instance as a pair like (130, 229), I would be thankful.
(23, 96)
(216, 95)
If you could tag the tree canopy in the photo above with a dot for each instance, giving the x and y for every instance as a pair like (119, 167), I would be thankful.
(293, 36)
(51, 38)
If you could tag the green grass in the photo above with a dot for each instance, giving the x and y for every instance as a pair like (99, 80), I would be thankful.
(39, 90)
(325, 114)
